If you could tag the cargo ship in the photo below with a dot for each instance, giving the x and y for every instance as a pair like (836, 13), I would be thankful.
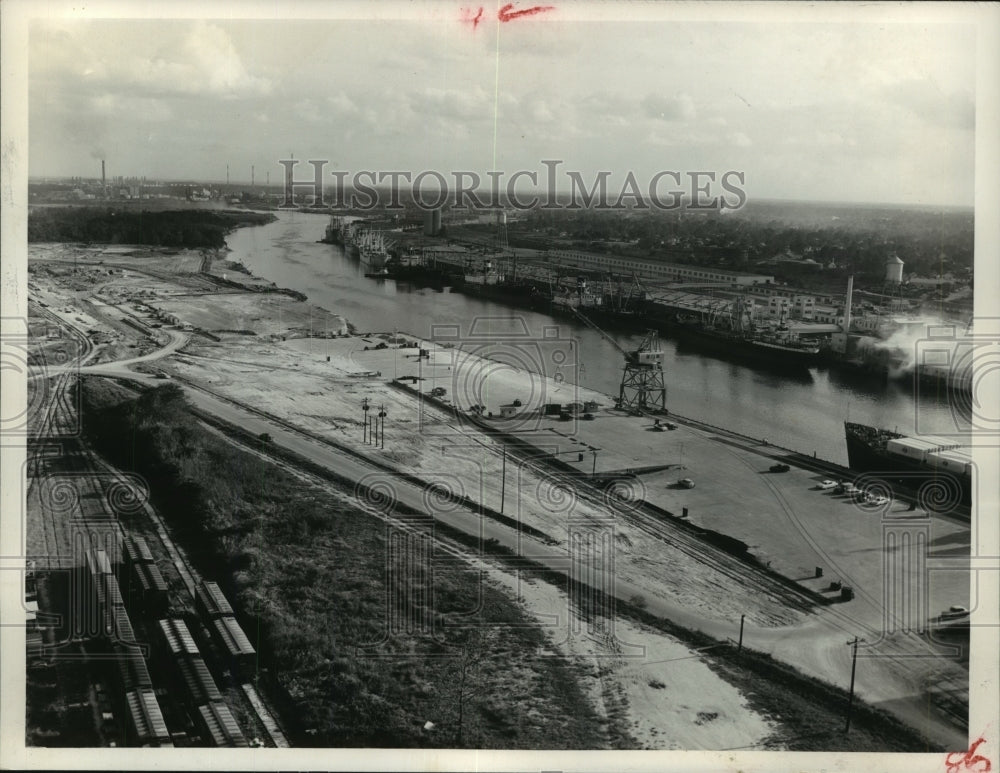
(372, 249)
(336, 230)
(359, 240)
(738, 335)
(913, 462)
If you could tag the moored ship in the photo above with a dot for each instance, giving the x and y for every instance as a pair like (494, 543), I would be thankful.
(372, 248)
(737, 334)
(359, 240)
(913, 462)
(336, 231)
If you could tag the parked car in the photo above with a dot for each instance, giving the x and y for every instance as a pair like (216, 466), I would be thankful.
(954, 612)
(826, 485)
(685, 483)
(779, 468)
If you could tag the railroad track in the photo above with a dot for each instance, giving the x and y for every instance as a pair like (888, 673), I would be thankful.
(91, 480)
(643, 517)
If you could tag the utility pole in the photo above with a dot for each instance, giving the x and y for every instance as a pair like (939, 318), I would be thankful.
(381, 415)
(593, 472)
(364, 407)
(854, 668)
(739, 647)
(503, 479)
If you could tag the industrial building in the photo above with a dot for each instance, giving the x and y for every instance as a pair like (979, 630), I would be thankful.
(654, 269)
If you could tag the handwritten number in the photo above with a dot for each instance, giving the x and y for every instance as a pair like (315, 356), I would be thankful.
(969, 760)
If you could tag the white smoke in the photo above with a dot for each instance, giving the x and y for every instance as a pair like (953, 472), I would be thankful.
(912, 345)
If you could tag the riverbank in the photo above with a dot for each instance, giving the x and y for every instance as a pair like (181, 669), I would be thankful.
(308, 527)
(788, 525)
(318, 385)
(804, 412)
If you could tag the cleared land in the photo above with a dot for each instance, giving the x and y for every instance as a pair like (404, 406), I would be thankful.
(295, 383)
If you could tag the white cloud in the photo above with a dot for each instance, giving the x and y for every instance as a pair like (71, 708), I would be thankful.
(934, 105)
(342, 103)
(669, 108)
(856, 102)
(189, 60)
(137, 108)
(465, 105)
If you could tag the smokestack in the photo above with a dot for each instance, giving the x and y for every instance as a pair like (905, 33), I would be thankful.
(104, 183)
(251, 176)
(847, 303)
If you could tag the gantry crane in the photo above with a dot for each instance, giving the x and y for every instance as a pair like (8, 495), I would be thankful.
(643, 387)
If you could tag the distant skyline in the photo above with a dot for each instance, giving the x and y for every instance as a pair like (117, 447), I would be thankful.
(874, 113)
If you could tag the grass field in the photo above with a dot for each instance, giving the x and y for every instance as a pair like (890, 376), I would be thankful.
(328, 604)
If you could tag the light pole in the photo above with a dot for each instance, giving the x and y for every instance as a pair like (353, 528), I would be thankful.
(381, 415)
(365, 408)
(854, 668)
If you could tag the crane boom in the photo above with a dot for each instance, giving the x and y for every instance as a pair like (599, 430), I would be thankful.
(590, 323)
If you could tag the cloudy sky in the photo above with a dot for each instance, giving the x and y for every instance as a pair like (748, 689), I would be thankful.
(845, 112)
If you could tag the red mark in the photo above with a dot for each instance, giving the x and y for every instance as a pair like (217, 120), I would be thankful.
(474, 20)
(507, 13)
(977, 763)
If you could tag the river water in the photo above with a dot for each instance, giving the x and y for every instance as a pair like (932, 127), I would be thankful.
(804, 413)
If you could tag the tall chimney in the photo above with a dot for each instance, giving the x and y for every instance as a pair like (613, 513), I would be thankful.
(847, 304)
(251, 176)
(104, 183)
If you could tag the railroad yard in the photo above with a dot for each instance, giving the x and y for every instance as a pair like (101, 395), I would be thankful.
(743, 552)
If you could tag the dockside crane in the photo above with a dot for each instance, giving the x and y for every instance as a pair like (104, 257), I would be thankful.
(643, 388)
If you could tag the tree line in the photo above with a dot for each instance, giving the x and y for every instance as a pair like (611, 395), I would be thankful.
(183, 228)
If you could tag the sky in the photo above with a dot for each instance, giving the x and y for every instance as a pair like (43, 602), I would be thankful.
(862, 112)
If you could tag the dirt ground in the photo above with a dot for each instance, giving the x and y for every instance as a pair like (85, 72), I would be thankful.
(666, 697)
(320, 383)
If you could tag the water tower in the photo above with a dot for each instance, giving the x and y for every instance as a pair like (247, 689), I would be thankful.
(894, 270)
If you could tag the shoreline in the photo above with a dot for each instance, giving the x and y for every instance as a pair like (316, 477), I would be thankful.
(745, 505)
(297, 380)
